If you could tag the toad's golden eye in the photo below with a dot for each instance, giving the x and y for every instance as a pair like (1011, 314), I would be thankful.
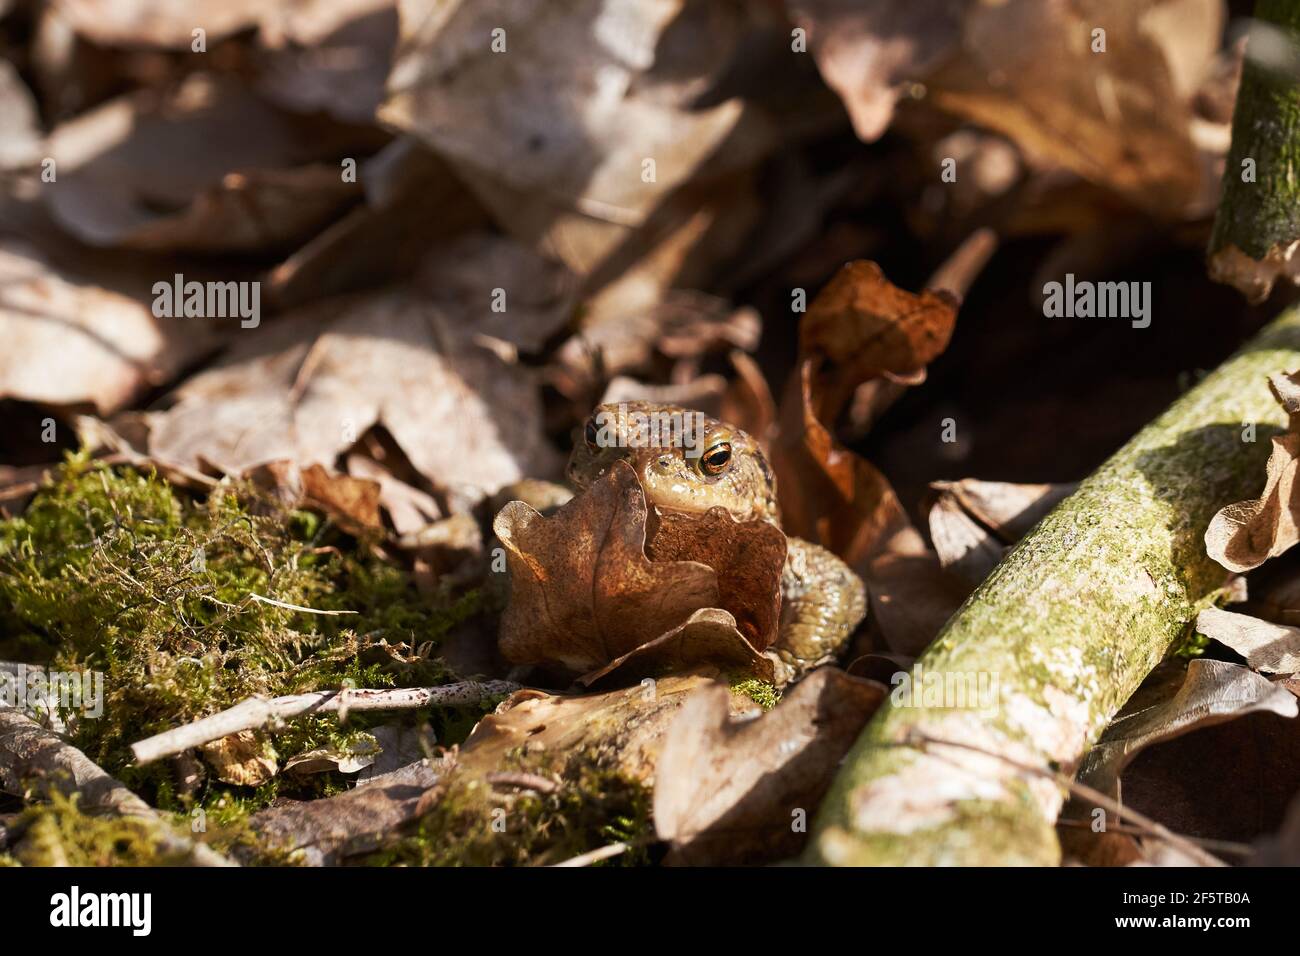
(716, 459)
(591, 433)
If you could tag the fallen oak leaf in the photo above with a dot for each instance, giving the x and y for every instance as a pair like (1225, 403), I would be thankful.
(725, 790)
(585, 595)
(1244, 535)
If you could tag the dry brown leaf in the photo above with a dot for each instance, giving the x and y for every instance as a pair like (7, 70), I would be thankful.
(1212, 693)
(869, 53)
(862, 327)
(71, 341)
(306, 387)
(829, 495)
(245, 759)
(1268, 648)
(1246, 534)
(209, 168)
(728, 791)
(563, 120)
(1122, 118)
(912, 598)
(584, 595)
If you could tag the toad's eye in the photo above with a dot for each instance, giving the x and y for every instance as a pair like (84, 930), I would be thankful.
(591, 433)
(716, 459)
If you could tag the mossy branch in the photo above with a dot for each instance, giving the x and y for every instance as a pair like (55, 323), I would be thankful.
(1065, 629)
(30, 755)
(1257, 230)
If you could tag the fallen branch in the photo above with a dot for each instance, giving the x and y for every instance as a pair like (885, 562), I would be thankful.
(259, 712)
(1256, 238)
(1064, 629)
(31, 756)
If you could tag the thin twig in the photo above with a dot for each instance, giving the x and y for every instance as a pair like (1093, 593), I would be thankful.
(1086, 792)
(260, 711)
(294, 607)
(595, 856)
(1219, 846)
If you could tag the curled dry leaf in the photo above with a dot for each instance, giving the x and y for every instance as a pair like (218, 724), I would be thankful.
(726, 791)
(830, 495)
(306, 387)
(1268, 648)
(69, 340)
(586, 599)
(1246, 534)
(360, 753)
(208, 168)
(861, 326)
(245, 759)
(1212, 692)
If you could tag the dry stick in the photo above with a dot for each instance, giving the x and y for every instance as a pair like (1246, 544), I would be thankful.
(1065, 628)
(32, 755)
(259, 711)
(1205, 843)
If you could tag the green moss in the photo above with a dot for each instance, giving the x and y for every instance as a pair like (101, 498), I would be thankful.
(474, 824)
(59, 834)
(113, 571)
(760, 692)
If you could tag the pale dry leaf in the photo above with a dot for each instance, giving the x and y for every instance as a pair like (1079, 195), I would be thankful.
(69, 340)
(208, 167)
(1006, 508)
(361, 752)
(1212, 692)
(21, 144)
(328, 55)
(727, 791)
(868, 53)
(1268, 648)
(964, 547)
(517, 295)
(582, 95)
(306, 387)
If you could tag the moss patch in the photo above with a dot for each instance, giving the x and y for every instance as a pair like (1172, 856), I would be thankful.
(477, 824)
(113, 571)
